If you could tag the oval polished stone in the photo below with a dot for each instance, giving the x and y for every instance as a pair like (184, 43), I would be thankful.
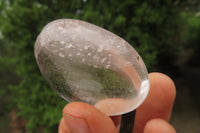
(83, 62)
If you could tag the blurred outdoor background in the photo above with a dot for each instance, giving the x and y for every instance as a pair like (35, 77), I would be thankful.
(165, 33)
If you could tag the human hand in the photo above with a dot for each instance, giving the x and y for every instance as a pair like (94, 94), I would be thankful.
(151, 117)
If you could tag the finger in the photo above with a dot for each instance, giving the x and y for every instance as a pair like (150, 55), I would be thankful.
(63, 127)
(158, 103)
(84, 118)
(158, 126)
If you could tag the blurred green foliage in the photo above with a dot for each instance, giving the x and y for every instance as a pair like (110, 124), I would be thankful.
(191, 35)
(149, 26)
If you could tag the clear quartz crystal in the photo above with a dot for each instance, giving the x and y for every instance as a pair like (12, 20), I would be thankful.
(83, 62)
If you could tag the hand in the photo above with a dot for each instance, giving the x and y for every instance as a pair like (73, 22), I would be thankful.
(151, 117)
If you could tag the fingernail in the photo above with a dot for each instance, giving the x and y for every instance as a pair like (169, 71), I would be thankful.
(76, 125)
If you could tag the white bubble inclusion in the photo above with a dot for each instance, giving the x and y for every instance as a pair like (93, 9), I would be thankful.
(78, 54)
(100, 50)
(86, 47)
(103, 60)
(83, 59)
(61, 55)
(107, 66)
(89, 54)
(69, 46)
(62, 42)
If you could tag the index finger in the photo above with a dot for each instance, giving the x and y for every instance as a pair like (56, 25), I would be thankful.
(158, 103)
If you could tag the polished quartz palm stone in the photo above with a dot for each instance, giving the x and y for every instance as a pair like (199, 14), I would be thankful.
(83, 62)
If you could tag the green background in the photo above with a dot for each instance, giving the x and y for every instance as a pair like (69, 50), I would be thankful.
(165, 33)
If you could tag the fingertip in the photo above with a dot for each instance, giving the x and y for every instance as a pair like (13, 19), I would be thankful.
(161, 80)
(63, 127)
(159, 102)
(88, 117)
(163, 90)
(77, 109)
(74, 118)
(158, 126)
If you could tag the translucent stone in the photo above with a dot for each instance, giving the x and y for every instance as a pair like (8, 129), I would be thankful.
(84, 62)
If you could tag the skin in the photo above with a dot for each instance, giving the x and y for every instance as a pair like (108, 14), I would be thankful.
(151, 117)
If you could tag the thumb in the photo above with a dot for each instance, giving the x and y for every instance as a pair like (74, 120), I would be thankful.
(158, 126)
(84, 118)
